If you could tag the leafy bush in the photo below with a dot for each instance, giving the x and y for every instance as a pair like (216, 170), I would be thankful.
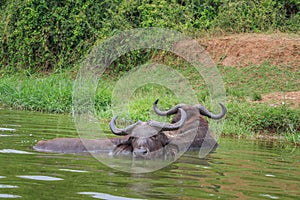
(257, 16)
(46, 35)
(40, 35)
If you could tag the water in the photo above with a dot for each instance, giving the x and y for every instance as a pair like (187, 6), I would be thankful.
(240, 169)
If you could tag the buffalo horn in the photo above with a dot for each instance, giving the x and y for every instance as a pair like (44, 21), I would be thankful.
(205, 112)
(171, 127)
(172, 111)
(118, 131)
(202, 110)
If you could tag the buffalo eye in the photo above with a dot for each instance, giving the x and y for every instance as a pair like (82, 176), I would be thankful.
(155, 137)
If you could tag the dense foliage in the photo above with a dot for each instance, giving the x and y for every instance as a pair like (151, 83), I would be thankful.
(40, 35)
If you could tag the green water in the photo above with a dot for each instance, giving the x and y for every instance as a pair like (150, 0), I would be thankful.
(240, 169)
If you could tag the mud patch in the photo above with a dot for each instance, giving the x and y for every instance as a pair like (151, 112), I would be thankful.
(291, 99)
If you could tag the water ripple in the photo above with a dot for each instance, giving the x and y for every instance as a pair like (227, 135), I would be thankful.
(269, 196)
(41, 178)
(9, 196)
(98, 195)
(14, 151)
(73, 170)
(7, 129)
(5, 135)
(8, 186)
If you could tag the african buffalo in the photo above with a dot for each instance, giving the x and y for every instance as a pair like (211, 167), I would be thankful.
(195, 125)
(141, 139)
(151, 139)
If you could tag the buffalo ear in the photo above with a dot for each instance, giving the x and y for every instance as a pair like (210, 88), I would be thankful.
(124, 148)
(176, 118)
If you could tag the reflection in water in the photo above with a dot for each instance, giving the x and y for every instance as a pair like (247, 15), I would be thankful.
(7, 129)
(269, 196)
(98, 195)
(270, 175)
(240, 169)
(73, 170)
(14, 151)
(9, 196)
(8, 186)
(4, 135)
(41, 178)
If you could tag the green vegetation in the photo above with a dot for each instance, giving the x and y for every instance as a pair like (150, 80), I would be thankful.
(53, 93)
(49, 94)
(253, 81)
(41, 35)
(245, 86)
(42, 42)
(250, 118)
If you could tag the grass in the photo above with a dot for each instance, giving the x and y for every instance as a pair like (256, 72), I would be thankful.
(48, 94)
(53, 93)
(251, 82)
(252, 118)
(293, 135)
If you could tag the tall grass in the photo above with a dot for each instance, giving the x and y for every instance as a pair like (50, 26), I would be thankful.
(49, 94)
(53, 93)
(251, 118)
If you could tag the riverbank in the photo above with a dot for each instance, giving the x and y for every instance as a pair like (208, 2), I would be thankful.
(250, 87)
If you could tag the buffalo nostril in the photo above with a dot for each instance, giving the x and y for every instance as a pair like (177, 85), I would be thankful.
(145, 152)
(140, 152)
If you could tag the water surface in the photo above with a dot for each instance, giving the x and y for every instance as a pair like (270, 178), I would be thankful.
(239, 169)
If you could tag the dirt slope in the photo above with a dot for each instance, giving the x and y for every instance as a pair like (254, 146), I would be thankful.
(255, 49)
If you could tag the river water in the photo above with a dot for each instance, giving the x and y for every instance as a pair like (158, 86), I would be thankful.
(239, 169)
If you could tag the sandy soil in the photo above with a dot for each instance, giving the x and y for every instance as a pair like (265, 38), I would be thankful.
(254, 49)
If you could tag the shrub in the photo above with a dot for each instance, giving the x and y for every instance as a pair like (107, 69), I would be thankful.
(51, 35)
(48, 35)
(250, 16)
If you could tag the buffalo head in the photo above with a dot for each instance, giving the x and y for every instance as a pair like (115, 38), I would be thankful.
(146, 139)
(196, 125)
(192, 111)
